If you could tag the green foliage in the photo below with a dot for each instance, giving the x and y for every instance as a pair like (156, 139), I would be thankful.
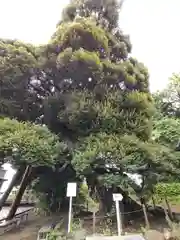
(163, 190)
(53, 235)
(18, 63)
(167, 101)
(92, 94)
(29, 144)
(167, 131)
(117, 150)
(93, 8)
(81, 33)
(85, 199)
(50, 186)
(60, 235)
(128, 154)
(97, 92)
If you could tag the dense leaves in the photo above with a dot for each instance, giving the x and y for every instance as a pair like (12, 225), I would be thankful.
(167, 131)
(125, 154)
(87, 89)
(167, 101)
(50, 186)
(104, 10)
(28, 144)
(96, 85)
(167, 189)
(166, 128)
(18, 67)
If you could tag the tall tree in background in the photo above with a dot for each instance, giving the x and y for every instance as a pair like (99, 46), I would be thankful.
(166, 131)
(18, 70)
(167, 101)
(29, 147)
(166, 119)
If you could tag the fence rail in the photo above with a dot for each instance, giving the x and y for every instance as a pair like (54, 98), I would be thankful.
(28, 197)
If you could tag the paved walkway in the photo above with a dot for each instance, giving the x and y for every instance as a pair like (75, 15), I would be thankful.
(128, 237)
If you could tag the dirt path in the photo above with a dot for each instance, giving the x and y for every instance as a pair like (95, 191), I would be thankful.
(30, 230)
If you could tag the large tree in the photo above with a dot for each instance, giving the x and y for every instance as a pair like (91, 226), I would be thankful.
(98, 97)
(97, 85)
(86, 87)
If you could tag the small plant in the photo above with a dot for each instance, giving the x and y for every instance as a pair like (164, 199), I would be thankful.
(76, 225)
(106, 227)
(55, 235)
(78, 231)
(144, 232)
(106, 230)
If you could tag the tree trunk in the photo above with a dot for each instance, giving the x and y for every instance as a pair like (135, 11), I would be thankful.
(169, 209)
(145, 212)
(106, 201)
(94, 223)
(22, 188)
(154, 202)
(9, 189)
(121, 206)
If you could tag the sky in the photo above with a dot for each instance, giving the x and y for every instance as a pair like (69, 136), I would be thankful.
(151, 24)
(8, 176)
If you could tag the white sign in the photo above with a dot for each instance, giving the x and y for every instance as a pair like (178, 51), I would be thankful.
(71, 190)
(117, 197)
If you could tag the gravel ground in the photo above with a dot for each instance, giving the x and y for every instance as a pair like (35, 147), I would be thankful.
(30, 230)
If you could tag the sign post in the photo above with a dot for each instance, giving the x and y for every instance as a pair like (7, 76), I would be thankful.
(71, 192)
(117, 197)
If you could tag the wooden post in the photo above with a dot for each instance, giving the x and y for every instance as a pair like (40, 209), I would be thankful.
(169, 208)
(154, 202)
(145, 213)
(20, 193)
(94, 222)
(9, 189)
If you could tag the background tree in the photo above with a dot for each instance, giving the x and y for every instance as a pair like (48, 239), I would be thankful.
(166, 132)
(166, 118)
(18, 70)
(167, 191)
(167, 101)
(28, 147)
(50, 186)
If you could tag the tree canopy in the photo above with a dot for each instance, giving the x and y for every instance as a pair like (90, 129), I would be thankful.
(166, 131)
(85, 86)
(167, 100)
(18, 67)
(96, 83)
(29, 144)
